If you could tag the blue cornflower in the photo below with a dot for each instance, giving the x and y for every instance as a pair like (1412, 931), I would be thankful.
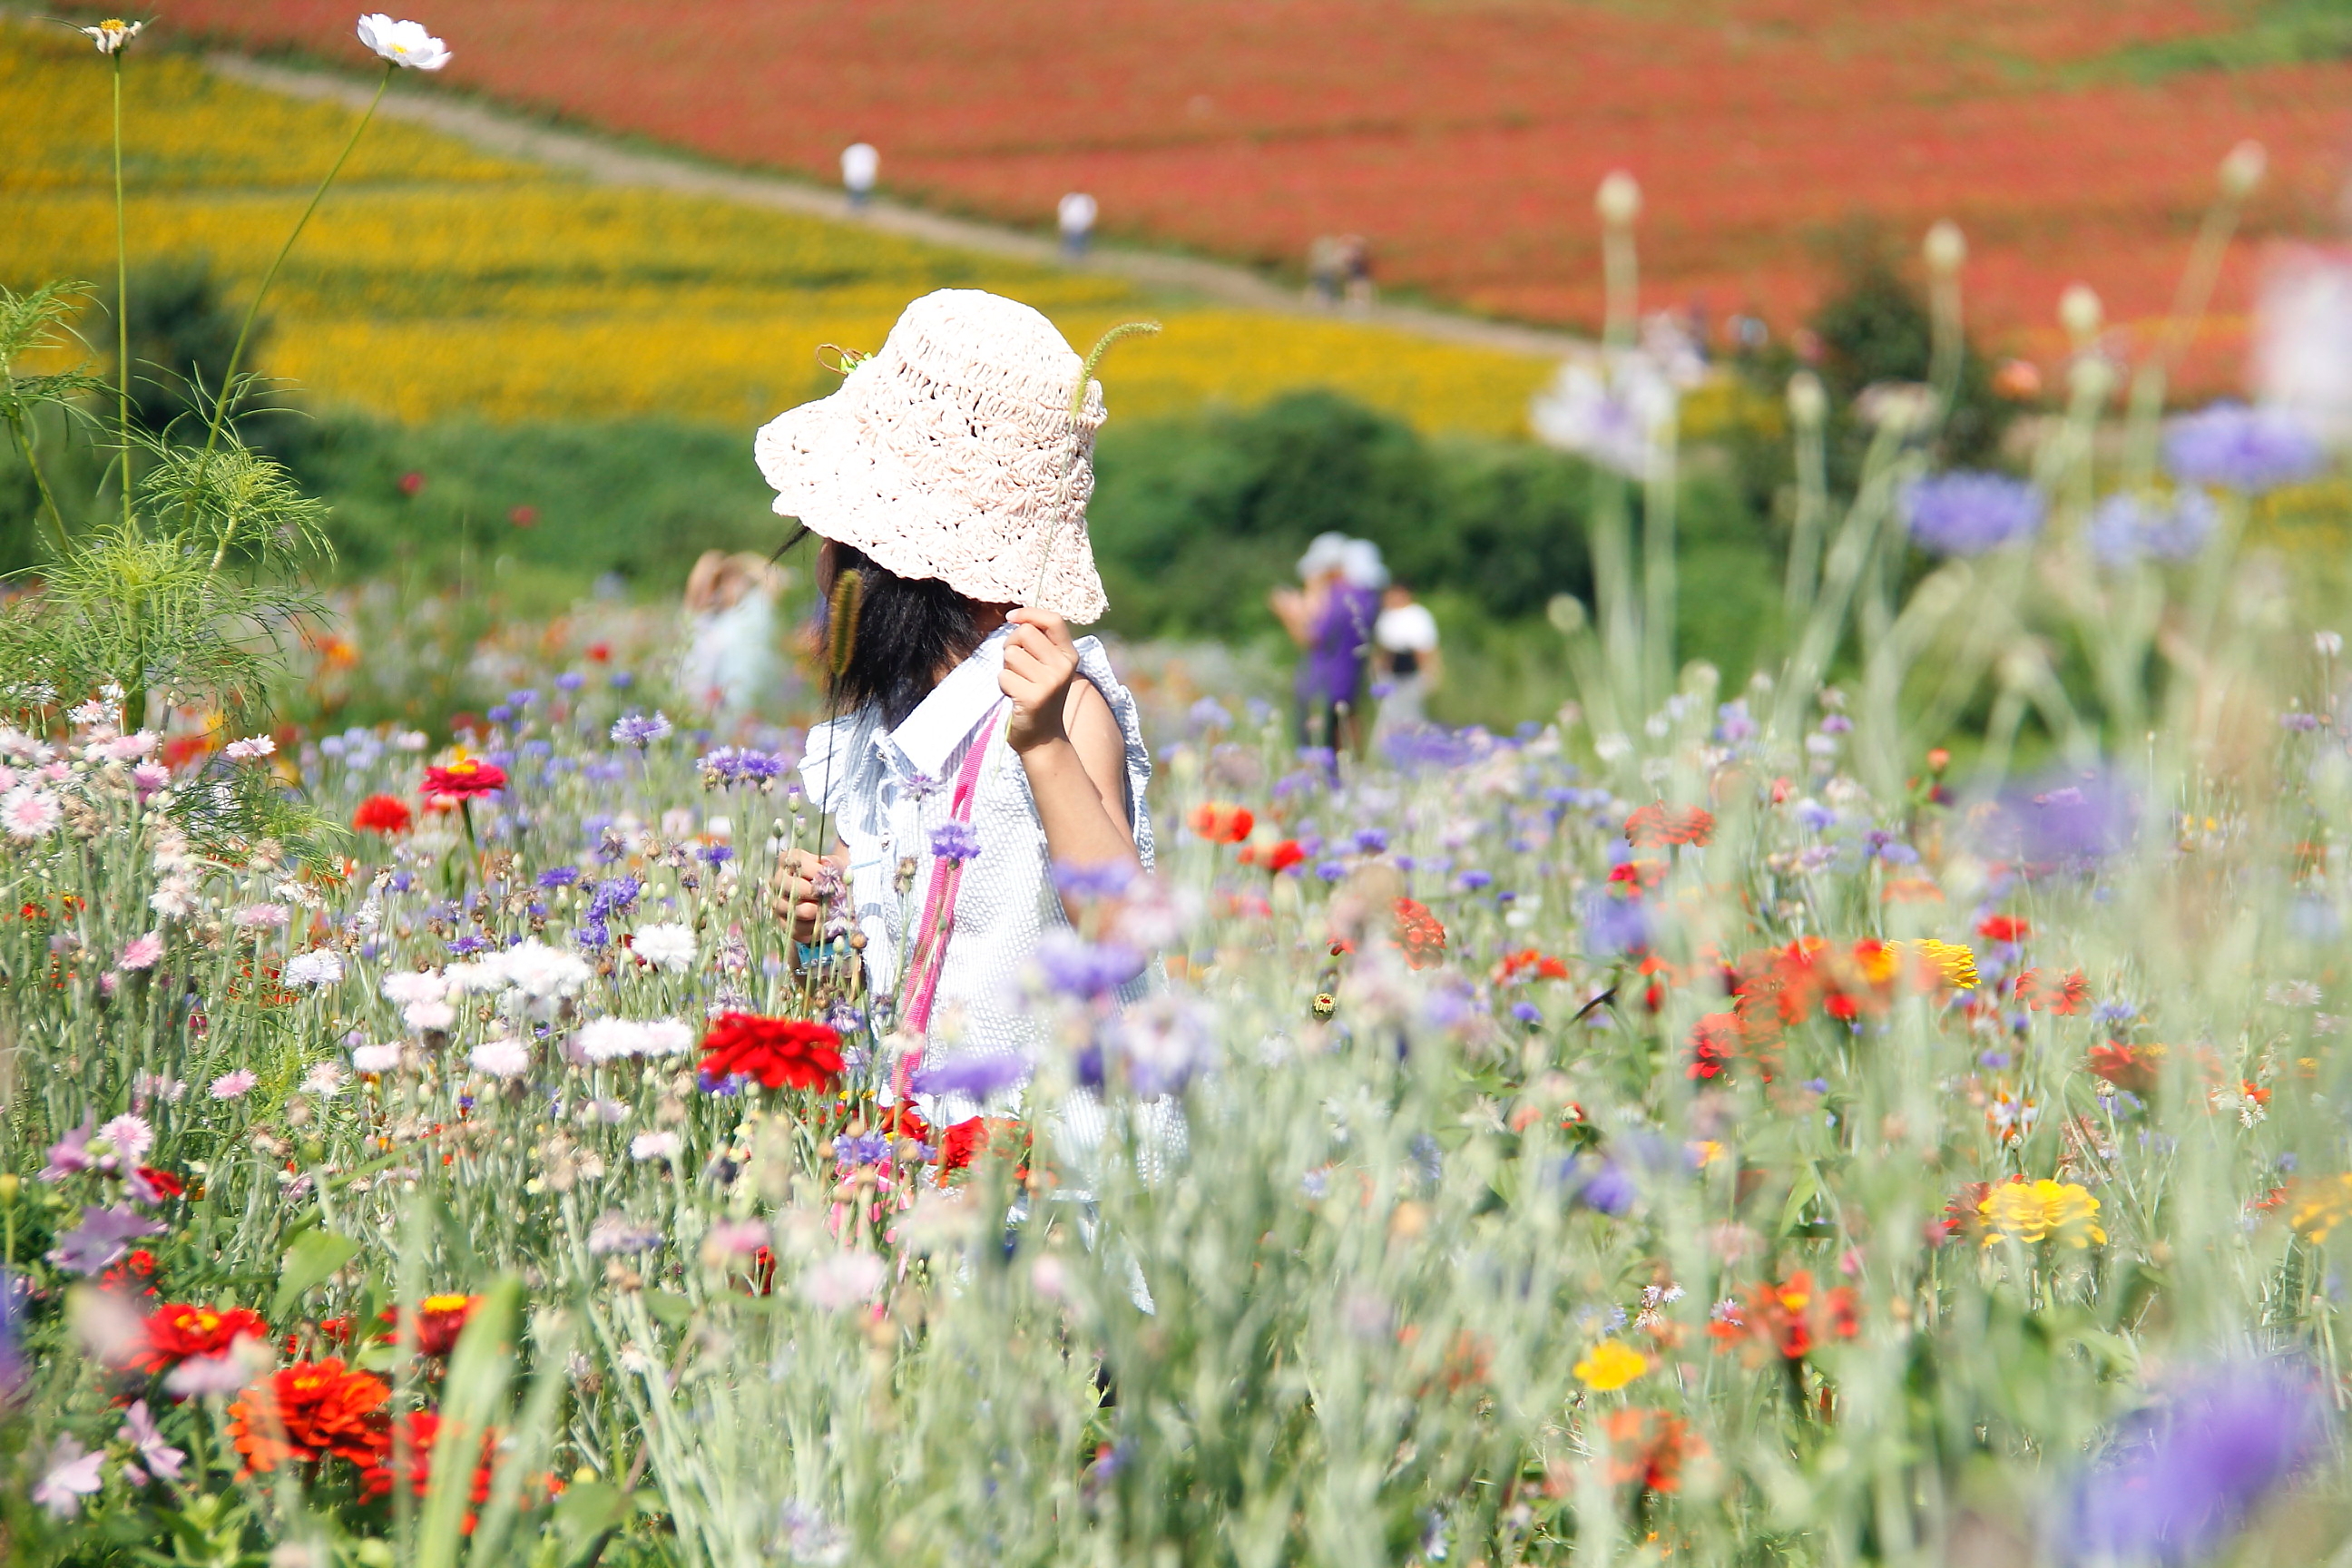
(2128, 528)
(1968, 512)
(637, 730)
(955, 841)
(556, 877)
(2231, 447)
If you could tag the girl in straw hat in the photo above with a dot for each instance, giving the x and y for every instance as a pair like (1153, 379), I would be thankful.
(979, 747)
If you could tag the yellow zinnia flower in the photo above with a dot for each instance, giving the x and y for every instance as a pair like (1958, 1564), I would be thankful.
(2037, 1211)
(1610, 1364)
(2320, 1206)
(1956, 963)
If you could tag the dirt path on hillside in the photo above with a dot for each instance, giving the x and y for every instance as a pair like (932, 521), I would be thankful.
(608, 162)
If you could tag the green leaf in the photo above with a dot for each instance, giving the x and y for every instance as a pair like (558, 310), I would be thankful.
(309, 1263)
(480, 1369)
(589, 1509)
(1807, 1188)
(671, 1307)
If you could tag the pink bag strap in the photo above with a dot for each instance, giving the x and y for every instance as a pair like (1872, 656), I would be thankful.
(923, 981)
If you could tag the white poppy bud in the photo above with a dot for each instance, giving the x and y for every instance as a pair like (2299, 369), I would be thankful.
(1809, 403)
(2079, 312)
(1945, 248)
(2242, 171)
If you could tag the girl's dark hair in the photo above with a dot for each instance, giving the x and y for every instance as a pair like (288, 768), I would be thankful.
(908, 630)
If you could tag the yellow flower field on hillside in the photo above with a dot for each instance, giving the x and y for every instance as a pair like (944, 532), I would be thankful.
(438, 282)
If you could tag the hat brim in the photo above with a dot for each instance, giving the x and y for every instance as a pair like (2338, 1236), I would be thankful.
(840, 484)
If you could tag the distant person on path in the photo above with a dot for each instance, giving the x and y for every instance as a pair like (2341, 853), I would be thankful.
(1076, 217)
(730, 665)
(1330, 619)
(1327, 269)
(1356, 263)
(1404, 639)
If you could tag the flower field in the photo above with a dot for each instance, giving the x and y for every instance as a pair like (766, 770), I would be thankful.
(437, 282)
(1703, 1124)
(1463, 140)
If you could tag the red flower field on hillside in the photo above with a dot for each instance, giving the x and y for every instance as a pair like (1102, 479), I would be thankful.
(1464, 140)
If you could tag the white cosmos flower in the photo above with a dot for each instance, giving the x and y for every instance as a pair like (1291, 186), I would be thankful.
(111, 35)
(404, 44)
(607, 1040)
(668, 945)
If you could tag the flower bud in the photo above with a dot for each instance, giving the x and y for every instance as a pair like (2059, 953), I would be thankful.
(1566, 613)
(2079, 312)
(1945, 248)
(1619, 200)
(2242, 171)
(1808, 403)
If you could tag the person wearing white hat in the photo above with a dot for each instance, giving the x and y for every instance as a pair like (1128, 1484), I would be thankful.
(978, 745)
(1330, 619)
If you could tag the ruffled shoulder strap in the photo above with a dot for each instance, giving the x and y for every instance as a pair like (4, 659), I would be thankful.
(1095, 665)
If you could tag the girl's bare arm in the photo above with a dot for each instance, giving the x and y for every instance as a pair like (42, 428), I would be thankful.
(1069, 745)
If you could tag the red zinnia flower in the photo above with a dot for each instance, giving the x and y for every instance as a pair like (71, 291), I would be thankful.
(2064, 996)
(1649, 1448)
(2132, 1068)
(413, 1457)
(1420, 934)
(181, 1330)
(1792, 1316)
(1275, 858)
(162, 1184)
(310, 1412)
(1527, 964)
(962, 1142)
(1220, 824)
(1656, 826)
(384, 814)
(439, 1320)
(776, 1051)
(1714, 1045)
(2004, 928)
(464, 779)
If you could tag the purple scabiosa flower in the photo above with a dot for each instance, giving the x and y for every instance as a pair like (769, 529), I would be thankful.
(2177, 1480)
(101, 1240)
(1968, 512)
(2126, 528)
(1076, 967)
(955, 842)
(2231, 447)
(638, 731)
(975, 1075)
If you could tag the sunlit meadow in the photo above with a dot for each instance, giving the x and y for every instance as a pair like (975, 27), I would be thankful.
(1701, 1127)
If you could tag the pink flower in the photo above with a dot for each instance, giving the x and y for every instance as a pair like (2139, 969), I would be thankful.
(235, 1085)
(72, 1476)
(149, 777)
(258, 917)
(142, 953)
(30, 812)
(249, 749)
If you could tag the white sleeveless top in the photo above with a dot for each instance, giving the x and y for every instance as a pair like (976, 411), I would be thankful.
(888, 790)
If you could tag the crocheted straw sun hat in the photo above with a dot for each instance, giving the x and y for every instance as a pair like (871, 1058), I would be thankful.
(952, 455)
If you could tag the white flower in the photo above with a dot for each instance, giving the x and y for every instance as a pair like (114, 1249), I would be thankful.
(319, 968)
(606, 1039)
(668, 945)
(407, 987)
(668, 1037)
(663, 1145)
(841, 1280)
(427, 1016)
(261, 916)
(325, 1080)
(1612, 410)
(247, 750)
(502, 1059)
(175, 897)
(408, 740)
(111, 35)
(30, 812)
(404, 44)
(545, 973)
(72, 1474)
(375, 1059)
(479, 978)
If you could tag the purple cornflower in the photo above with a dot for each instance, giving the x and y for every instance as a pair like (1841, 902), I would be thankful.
(1605, 1187)
(2231, 447)
(2177, 1480)
(716, 853)
(1371, 841)
(637, 730)
(2128, 528)
(613, 896)
(556, 877)
(973, 1074)
(571, 680)
(1208, 713)
(522, 699)
(1474, 880)
(1331, 870)
(501, 713)
(2303, 723)
(1076, 967)
(1527, 1012)
(864, 1149)
(101, 1239)
(1613, 925)
(1966, 513)
(1107, 880)
(956, 842)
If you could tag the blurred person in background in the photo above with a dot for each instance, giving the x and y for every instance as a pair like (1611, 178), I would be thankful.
(1330, 617)
(730, 664)
(1356, 264)
(1404, 643)
(1076, 218)
(1327, 267)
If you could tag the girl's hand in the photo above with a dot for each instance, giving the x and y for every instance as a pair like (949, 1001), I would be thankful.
(1040, 662)
(798, 898)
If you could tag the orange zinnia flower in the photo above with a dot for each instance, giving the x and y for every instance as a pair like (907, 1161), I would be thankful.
(310, 1412)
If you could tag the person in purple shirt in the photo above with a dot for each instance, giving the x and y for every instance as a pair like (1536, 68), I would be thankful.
(1330, 619)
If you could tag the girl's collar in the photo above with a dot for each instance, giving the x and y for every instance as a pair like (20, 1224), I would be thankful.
(931, 734)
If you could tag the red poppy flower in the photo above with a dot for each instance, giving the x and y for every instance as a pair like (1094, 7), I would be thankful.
(1525, 964)
(1222, 823)
(1656, 826)
(1275, 858)
(384, 814)
(962, 1142)
(464, 779)
(183, 1329)
(2004, 928)
(776, 1051)
(310, 1412)
(162, 1184)
(1419, 934)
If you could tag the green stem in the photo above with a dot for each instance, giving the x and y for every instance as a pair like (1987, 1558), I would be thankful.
(121, 299)
(237, 355)
(40, 481)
